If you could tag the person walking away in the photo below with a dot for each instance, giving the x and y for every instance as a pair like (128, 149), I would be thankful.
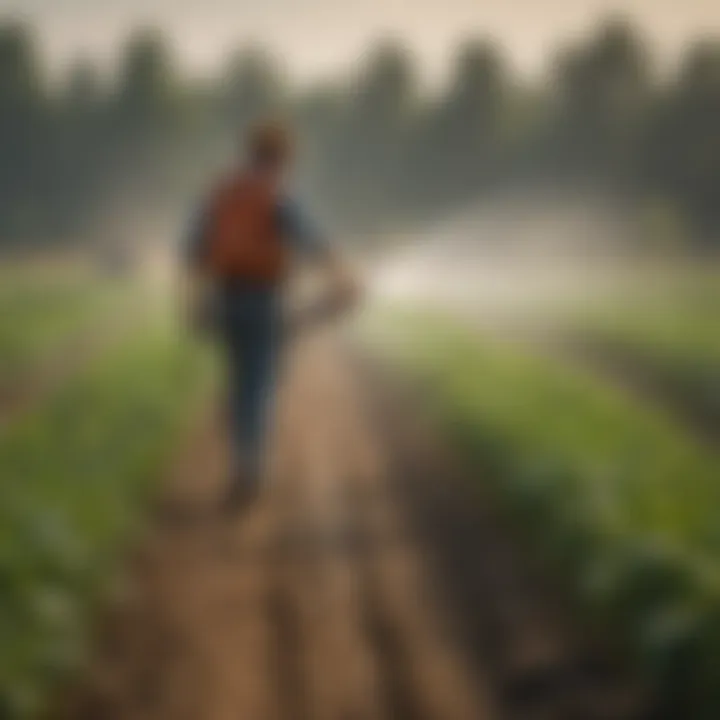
(244, 245)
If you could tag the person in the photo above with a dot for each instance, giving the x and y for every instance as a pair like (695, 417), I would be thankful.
(244, 245)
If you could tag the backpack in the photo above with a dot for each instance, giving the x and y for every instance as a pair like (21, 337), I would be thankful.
(243, 236)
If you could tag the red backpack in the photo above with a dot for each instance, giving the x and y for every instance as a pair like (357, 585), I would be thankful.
(244, 240)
